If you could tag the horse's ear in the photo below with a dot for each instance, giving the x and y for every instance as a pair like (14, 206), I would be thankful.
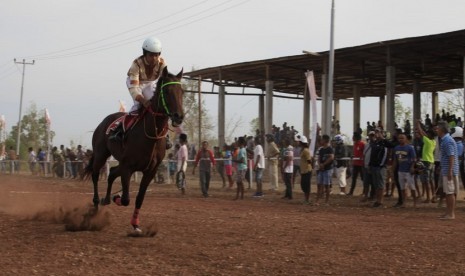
(164, 74)
(179, 75)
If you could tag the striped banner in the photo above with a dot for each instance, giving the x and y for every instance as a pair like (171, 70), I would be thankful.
(313, 96)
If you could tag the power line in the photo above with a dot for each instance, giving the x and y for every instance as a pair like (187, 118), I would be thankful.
(119, 34)
(138, 37)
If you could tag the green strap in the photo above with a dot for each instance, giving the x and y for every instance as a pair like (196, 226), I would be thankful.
(163, 95)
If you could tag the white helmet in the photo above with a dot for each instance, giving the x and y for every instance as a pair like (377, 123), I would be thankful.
(339, 139)
(152, 44)
(456, 132)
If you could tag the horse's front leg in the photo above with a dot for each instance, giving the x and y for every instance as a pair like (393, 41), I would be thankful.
(114, 173)
(146, 179)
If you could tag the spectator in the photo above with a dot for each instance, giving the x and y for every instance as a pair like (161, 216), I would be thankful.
(378, 158)
(368, 191)
(32, 161)
(13, 158)
(357, 162)
(272, 155)
(259, 161)
(72, 161)
(80, 158)
(3, 160)
(41, 158)
(219, 164)
(325, 161)
(172, 166)
(427, 158)
(404, 161)
(207, 163)
(288, 168)
(449, 168)
(227, 155)
(457, 135)
(241, 161)
(428, 123)
(341, 165)
(297, 150)
(182, 163)
(305, 168)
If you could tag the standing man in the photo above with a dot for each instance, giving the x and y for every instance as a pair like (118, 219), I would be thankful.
(341, 164)
(272, 156)
(182, 163)
(427, 158)
(357, 162)
(305, 169)
(325, 169)
(377, 164)
(207, 162)
(449, 168)
(241, 161)
(404, 160)
(259, 165)
(288, 168)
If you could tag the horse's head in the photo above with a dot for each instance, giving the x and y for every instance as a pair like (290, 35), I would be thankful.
(168, 97)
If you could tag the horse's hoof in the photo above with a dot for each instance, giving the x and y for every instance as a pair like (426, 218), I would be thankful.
(117, 200)
(136, 232)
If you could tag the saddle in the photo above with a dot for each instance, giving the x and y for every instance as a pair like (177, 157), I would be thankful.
(126, 122)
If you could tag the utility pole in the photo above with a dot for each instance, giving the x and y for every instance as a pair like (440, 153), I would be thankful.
(24, 63)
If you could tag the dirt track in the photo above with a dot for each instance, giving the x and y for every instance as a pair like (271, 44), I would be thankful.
(219, 236)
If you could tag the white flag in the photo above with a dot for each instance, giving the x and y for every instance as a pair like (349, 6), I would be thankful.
(47, 117)
(2, 122)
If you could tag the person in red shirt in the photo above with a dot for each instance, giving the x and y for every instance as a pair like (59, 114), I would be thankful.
(357, 161)
(207, 163)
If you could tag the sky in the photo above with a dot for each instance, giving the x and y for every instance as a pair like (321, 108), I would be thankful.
(83, 49)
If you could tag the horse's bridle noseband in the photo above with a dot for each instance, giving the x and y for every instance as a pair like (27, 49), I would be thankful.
(162, 95)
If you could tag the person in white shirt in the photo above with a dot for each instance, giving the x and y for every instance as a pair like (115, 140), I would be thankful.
(259, 161)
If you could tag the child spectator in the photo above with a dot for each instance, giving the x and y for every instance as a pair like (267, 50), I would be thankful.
(404, 161)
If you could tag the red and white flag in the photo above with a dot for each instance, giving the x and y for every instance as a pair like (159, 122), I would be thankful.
(313, 98)
(47, 117)
(122, 106)
(2, 122)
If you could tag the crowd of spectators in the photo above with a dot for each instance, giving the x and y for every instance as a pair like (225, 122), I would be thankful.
(409, 160)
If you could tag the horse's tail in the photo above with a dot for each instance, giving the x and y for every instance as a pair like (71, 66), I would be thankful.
(89, 168)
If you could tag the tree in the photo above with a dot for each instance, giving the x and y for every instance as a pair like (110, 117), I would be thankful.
(453, 102)
(402, 113)
(254, 125)
(190, 124)
(33, 132)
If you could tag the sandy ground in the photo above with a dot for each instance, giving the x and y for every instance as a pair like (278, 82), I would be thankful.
(219, 236)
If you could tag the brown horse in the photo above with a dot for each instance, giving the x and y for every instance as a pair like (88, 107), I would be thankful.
(143, 147)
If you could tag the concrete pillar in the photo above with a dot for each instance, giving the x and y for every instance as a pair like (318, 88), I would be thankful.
(356, 90)
(306, 118)
(416, 102)
(337, 106)
(435, 105)
(336, 116)
(382, 110)
(390, 94)
(221, 115)
(261, 115)
(268, 106)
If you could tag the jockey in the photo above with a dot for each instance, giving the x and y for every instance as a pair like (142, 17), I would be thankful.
(142, 77)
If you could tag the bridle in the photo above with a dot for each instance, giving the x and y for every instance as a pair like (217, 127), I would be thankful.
(161, 99)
